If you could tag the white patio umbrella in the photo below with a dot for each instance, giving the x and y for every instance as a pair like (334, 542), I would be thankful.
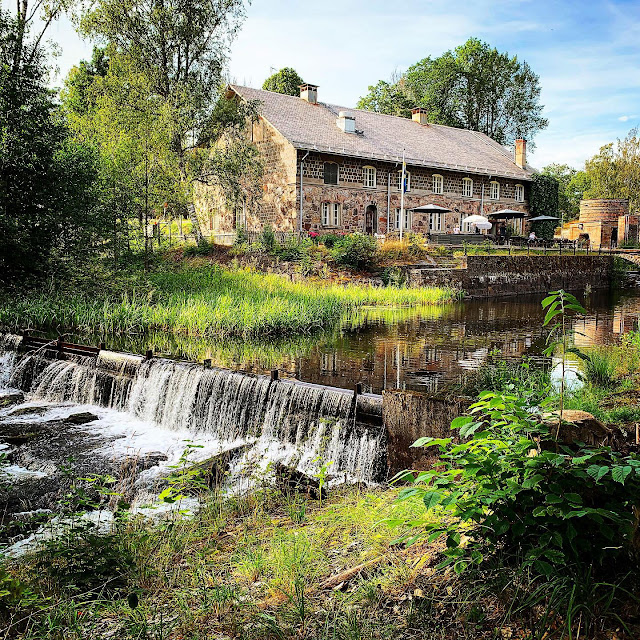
(482, 225)
(475, 219)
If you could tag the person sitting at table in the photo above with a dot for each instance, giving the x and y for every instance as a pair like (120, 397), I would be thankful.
(532, 236)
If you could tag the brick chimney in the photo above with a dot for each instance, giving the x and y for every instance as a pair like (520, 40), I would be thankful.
(420, 115)
(521, 153)
(309, 92)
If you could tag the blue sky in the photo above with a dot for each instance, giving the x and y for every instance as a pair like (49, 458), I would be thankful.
(586, 53)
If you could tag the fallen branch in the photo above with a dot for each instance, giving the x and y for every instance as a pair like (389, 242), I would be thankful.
(346, 576)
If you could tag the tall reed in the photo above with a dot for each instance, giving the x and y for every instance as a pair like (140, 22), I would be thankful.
(208, 301)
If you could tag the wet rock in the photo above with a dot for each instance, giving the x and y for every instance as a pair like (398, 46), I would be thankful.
(9, 399)
(80, 418)
(31, 411)
(215, 469)
(580, 426)
(291, 480)
(17, 439)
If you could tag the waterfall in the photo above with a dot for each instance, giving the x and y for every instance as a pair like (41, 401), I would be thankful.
(302, 425)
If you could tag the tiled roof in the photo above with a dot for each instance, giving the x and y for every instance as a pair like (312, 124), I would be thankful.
(383, 137)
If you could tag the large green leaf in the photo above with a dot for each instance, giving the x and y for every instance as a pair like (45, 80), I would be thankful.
(432, 499)
(619, 474)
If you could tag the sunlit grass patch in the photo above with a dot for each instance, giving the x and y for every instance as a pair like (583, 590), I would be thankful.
(208, 301)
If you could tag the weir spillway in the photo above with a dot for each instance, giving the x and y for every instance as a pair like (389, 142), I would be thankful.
(287, 421)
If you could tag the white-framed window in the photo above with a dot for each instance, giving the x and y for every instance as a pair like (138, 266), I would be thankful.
(330, 173)
(494, 192)
(369, 177)
(407, 180)
(406, 221)
(467, 187)
(435, 221)
(438, 183)
(330, 214)
(519, 193)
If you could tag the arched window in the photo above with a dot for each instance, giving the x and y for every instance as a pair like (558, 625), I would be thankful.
(494, 193)
(407, 181)
(467, 187)
(438, 183)
(330, 173)
(369, 177)
(519, 193)
(330, 214)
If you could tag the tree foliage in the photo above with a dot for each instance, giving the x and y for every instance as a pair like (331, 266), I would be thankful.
(614, 172)
(572, 185)
(48, 202)
(152, 101)
(543, 200)
(472, 87)
(285, 81)
(179, 48)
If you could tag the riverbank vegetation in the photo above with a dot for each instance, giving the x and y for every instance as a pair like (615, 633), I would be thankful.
(518, 534)
(205, 300)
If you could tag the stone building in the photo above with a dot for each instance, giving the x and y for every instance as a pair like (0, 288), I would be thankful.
(603, 222)
(329, 169)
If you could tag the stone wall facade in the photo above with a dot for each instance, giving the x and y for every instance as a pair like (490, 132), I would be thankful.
(354, 198)
(495, 276)
(407, 416)
(276, 205)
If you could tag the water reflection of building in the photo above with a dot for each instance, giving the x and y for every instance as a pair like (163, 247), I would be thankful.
(603, 326)
(423, 353)
(423, 350)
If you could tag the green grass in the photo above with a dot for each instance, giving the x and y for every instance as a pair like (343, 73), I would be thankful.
(207, 301)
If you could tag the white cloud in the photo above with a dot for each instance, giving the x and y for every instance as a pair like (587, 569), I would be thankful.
(626, 118)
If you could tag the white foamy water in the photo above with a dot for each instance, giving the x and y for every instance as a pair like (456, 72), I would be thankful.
(146, 407)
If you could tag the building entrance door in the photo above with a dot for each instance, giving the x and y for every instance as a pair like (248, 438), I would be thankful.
(371, 219)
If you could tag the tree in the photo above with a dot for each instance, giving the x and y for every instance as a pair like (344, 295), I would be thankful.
(571, 186)
(615, 171)
(472, 87)
(387, 97)
(543, 201)
(48, 208)
(179, 48)
(285, 81)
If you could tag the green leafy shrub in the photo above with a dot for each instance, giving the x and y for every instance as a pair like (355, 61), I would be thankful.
(242, 237)
(355, 250)
(502, 376)
(393, 277)
(329, 240)
(203, 248)
(511, 484)
(516, 483)
(293, 249)
(268, 240)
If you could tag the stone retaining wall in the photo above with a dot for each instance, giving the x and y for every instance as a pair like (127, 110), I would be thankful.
(409, 415)
(496, 276)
